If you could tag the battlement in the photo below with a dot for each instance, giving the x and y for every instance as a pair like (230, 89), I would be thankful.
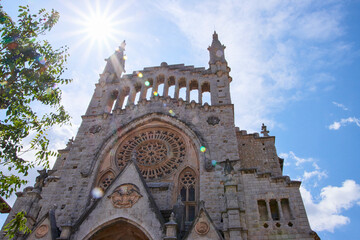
(174, 81)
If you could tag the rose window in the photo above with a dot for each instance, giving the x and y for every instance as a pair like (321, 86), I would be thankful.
(151, 152)
(157, 152)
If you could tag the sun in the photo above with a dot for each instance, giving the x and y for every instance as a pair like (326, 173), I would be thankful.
(99, 26)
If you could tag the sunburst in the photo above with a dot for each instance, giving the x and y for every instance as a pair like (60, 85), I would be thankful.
(99, 25)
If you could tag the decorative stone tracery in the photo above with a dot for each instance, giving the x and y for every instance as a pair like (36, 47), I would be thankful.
(106, 180)
(188, 193)
(158, 152)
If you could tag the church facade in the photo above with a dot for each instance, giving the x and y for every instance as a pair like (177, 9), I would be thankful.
(148, 164)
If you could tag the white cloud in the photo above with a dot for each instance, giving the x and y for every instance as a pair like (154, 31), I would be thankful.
(319, 25)
(316, 166)
(298, 160)
(340, 105)
(326, 214)
(269, 44)
(319, 174)
(344, 121)
(335, 126)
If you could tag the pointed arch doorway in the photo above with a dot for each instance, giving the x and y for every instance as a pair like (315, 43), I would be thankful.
(120, 230)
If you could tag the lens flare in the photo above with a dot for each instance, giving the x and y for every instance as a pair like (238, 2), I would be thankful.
(147, 83)
(97, 192)
(171, 112)
(202, 149)
(124, 57)
(140, 75)
(213, 162)
(156, 93)
(41, 60)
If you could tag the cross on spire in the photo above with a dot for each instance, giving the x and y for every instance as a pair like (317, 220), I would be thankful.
(264, 131)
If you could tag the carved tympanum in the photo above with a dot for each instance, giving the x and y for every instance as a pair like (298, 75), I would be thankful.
(202, 228)
(41, 231)
(125, 196)
(158, 152)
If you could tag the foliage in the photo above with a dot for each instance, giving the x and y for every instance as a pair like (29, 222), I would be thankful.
(18, 223)
(30, 75)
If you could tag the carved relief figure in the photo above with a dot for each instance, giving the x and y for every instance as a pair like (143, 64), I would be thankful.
(125, 196)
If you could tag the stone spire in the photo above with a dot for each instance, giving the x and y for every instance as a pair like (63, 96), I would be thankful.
(116, 62)
(216, 50)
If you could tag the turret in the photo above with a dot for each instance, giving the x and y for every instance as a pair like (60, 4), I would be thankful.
(116, 63)
(105, 95)
(220, 86)
(216, 51)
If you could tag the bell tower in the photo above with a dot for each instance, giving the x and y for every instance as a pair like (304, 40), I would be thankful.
(220, 89)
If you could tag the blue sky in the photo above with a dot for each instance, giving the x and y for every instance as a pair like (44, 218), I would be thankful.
(295, 67)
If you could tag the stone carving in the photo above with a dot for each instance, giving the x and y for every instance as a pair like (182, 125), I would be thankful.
(40, 180)
(95, 129)
(125, 196)
(158, 152)
(42, 231)
(213, 120)
(202, 228)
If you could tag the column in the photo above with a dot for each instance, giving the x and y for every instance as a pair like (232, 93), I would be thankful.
(280, 209)
(200, 95)
(143, 92)
(120, 101)
(132, 96)
(176, 94)
(187, 92)
(166, 88)
(155, 87)
(268, 210)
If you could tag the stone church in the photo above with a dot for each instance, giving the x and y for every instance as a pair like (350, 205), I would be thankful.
(148, 163)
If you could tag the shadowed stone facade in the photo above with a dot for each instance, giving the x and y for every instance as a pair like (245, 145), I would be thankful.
(165, 167)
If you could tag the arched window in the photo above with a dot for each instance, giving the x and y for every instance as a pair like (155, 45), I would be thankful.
(188, 192)
(123, 100)
(205, 92)
(182, 88)
(194, 91)
(110, 106)
(106, 180)
(171, 87)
